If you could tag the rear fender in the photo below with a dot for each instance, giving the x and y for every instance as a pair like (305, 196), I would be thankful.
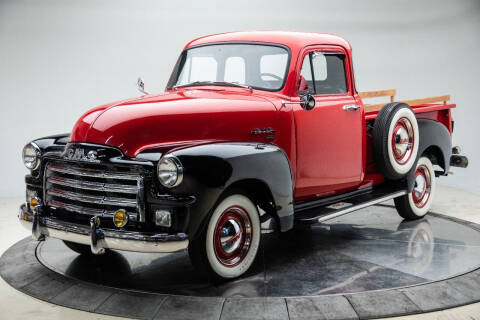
(432, 134)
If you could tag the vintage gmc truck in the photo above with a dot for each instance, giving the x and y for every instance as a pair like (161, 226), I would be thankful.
(256, 132)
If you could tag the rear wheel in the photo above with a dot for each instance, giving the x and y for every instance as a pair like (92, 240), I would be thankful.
(229, 244)
(417, 203)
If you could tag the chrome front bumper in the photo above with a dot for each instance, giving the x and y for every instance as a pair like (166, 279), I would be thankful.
(100, 239)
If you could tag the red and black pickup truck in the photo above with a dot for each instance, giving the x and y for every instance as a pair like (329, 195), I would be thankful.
(255, 132)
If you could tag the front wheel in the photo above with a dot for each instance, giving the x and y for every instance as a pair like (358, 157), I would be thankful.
(417, 203)
(229, 244)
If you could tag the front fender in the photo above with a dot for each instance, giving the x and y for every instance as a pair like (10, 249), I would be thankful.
(211, 169)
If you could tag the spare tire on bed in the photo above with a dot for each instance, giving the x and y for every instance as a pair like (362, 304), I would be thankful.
(395, 140)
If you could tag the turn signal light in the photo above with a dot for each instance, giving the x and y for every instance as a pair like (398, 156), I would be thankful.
(120, 218)
(34, 202)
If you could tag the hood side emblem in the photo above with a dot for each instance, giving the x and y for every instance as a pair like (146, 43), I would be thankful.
(268, 132)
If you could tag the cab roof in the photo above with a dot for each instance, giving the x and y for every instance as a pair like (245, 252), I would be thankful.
(292, 39)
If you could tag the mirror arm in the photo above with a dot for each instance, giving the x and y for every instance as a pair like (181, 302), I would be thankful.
(284, 103)
(305, 102)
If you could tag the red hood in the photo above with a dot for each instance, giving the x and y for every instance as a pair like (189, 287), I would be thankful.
(185, 116)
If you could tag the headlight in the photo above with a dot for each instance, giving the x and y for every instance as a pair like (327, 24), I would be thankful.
(170, 171)
(31, 156)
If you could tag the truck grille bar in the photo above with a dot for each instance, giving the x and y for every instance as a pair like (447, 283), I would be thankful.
(61, 168)
(97, 186)
(78, 209)
(92, 199)
(92, 191)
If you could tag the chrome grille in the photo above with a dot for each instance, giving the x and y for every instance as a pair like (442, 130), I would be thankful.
(93, 191)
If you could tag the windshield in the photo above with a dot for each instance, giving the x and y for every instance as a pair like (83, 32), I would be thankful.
(253, 65)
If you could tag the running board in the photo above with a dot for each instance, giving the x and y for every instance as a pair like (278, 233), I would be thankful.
(327, 212)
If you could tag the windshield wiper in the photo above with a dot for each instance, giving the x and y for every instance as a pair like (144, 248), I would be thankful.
(215, 83)
(232, 84)
(195, 83)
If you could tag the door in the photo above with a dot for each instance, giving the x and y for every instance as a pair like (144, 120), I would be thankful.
(329, 138)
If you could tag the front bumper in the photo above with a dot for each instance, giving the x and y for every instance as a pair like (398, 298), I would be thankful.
(100, 239)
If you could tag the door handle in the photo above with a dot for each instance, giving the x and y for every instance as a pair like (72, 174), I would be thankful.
(351, 107)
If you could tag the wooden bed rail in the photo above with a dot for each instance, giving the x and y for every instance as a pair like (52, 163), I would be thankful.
(391, 93)
(379, 93)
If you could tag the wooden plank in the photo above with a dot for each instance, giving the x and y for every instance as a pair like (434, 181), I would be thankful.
(433, 107)
(416, 102)
(378, 93)
(413, 102)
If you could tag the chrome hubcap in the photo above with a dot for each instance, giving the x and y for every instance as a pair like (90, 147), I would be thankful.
(402, 140)
(420, 185)
(233, 236)
(423, 186)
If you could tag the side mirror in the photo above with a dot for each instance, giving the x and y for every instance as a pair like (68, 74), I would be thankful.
(141, 86)
(307, 101)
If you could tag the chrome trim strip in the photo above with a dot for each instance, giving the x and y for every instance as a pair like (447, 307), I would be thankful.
(86, 211)
(95, 186)
(92, 173)
(362, 205)
(113, 239)
(91, 198)
(140, 200)
(38, 151)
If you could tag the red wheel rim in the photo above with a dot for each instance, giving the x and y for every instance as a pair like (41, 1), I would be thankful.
(403, 139)
(423, 186)
(233, 236)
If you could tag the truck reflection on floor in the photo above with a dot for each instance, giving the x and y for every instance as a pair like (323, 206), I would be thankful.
(346, 256)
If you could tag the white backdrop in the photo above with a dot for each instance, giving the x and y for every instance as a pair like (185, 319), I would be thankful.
(60, 58)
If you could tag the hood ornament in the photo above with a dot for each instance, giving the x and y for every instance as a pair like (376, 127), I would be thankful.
(141, 86)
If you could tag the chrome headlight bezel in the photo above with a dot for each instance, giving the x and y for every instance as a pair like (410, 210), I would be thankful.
(36, 153)
(169, 171)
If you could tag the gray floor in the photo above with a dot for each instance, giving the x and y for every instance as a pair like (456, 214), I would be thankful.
(366, 265)
(370, 250)
(19, 306)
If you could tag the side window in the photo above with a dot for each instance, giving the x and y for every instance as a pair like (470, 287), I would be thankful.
(327, 72)
(305, 84)
(319, 63)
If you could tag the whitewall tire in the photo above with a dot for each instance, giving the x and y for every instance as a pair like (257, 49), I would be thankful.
(395, 140)
(417, 203)
(230, 242)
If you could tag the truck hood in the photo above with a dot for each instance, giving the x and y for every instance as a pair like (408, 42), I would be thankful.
(178, 117)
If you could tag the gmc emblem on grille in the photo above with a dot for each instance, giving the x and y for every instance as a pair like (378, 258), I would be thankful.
(79, 155)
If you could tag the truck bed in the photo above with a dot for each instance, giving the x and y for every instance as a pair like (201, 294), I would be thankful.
(421, 105)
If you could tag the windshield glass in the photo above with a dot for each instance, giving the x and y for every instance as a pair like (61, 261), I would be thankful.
(253, 65)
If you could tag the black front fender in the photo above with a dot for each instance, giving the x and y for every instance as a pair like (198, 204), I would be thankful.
(209, 170)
